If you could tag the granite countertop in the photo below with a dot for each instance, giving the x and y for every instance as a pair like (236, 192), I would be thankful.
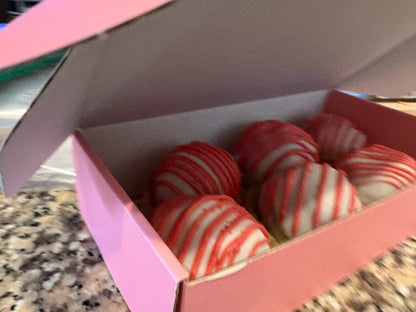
(50, 263)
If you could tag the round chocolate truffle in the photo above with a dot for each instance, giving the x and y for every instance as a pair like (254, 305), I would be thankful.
(267, 147)
(304, 197)
(209, 232)
(195, 169)
(335, 136)
(378, 171)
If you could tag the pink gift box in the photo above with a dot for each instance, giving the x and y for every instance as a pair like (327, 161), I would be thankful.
(137, 81)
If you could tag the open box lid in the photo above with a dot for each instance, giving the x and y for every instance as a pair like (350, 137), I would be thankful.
(126, 62)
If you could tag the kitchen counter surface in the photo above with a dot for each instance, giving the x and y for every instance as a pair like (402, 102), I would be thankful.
(50, 263)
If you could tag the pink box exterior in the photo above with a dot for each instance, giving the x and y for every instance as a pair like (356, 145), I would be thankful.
(32, 26)
(300, 270)
(144, 269)
(279, 281)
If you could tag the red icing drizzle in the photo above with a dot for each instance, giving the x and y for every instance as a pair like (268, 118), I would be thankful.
(221, 164)
(354, 203)
(288, 189)
(214, 262)
(215, 224)
(224, 163)
(268, 198)
(301, 197)
(263, 138)
(321, 188)
(196, 171)
(294, 183)
(265, 126)
(305, 154)
(257, 246)
(164, 213)
(328, 131)
(338, 196)
(186, 173)
(379, 172)
(234, 247)
(180, 223)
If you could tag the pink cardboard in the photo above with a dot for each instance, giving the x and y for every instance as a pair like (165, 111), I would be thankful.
(192, 54)
(55, 24)
(303, 268)
(386, 126)
(287, 276)
(145, 270)
(295, 272)
(196, 54)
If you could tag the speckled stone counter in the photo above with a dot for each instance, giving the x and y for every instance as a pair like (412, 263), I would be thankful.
(50, 263)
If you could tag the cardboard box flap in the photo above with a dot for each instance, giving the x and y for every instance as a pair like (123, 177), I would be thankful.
(54, 24)
(392, 75)
(190, 55)
(196, 54)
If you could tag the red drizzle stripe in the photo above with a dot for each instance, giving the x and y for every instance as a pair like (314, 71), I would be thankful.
(268, 200)
(160, 212)
(382, 178)
(169, 185)
(288, 189)
(196, 171)
(165, 212)
(301, 197)
(330, 131)
(319, 199)
(256, 128)
(263, 150)
(213, 164)
(234, 247)
(382, 153)
(185, 246)
(226, 166)
(306, 155)
(262, 138)
(380, 166)
(277, 142)
(377, 180)
(207, 236)
(179, 172)
(217, 167)
(189, 149)
(181, 221)
(227, 158)
(366, 171)
(339, 192)
(352, 199)
(214, 259)
(257, 246)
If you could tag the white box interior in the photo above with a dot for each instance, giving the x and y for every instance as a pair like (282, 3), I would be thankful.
(132, 150)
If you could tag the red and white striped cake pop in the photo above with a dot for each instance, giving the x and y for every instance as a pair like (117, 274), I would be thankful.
(335, 136)
(378, 171)
(304, 197)
(208, 233)
(195, 169)
(270, 146)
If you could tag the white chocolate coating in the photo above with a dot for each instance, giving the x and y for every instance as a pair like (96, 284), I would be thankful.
(335, 136)
(378, 171)
(304, 197)
(208, 233)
